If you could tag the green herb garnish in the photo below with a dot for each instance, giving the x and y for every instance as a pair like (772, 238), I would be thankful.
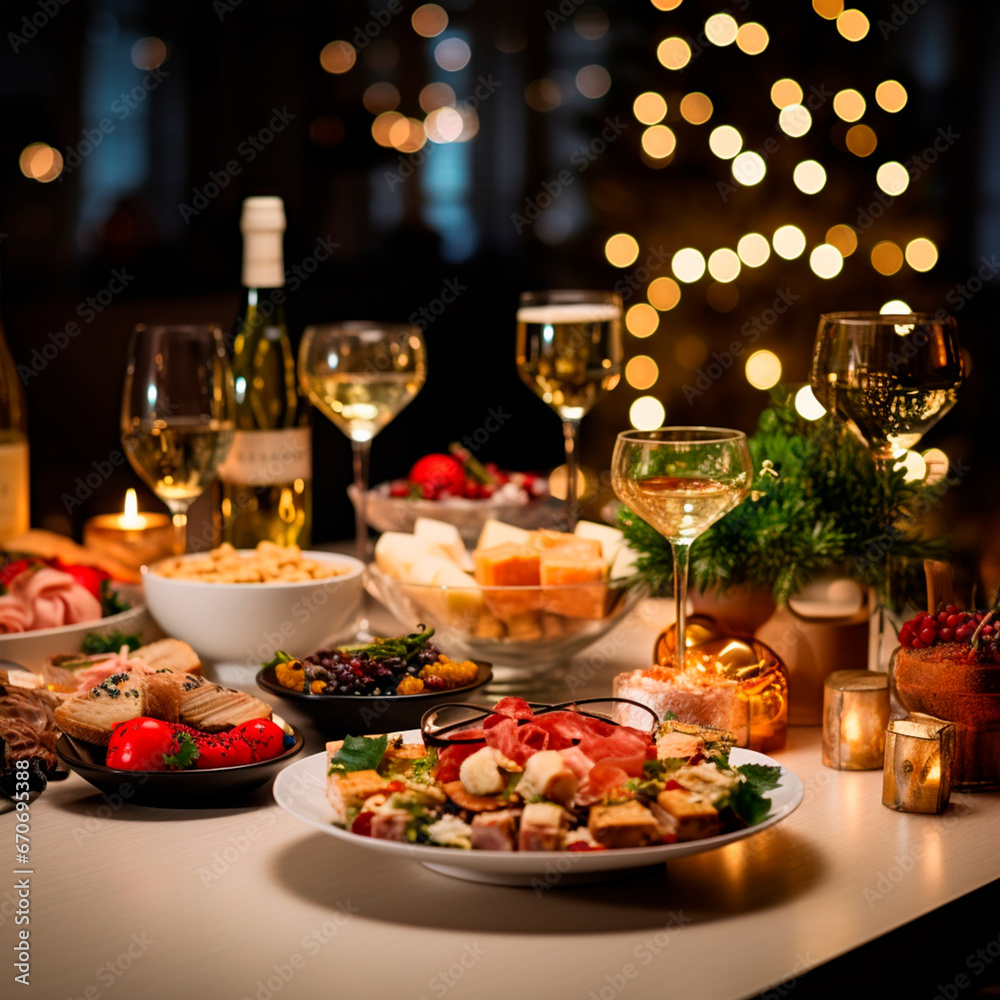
(359, 753)
(187, 753)
(406, 646)
(747, 799)
(95, 643)
(111, 603)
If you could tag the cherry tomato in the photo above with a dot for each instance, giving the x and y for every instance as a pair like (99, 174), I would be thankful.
(139, 745)
(265, 738)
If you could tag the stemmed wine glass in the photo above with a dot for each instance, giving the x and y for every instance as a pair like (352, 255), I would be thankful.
(891, 377)
(178, 413)
(569, 352)
(681, 480)
(361, 375)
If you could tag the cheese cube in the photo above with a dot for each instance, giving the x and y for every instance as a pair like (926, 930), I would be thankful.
(495, 532)
(560, 567)
(443, 535)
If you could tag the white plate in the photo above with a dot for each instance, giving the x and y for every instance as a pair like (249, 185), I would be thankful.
(300, 789)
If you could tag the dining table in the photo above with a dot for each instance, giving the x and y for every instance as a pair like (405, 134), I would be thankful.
(245, 901)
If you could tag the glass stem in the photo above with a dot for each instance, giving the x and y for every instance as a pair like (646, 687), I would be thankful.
(681, 551)
(180, 520)
(877, 623)
(361, 451)
(571, 432)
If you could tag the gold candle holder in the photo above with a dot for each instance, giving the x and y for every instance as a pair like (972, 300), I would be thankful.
(919, 754)
(855, 717)
(135, 538)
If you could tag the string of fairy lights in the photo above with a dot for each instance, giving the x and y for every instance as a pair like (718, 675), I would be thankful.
(662, 143)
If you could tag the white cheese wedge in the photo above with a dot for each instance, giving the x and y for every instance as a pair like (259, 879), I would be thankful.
(397, 553)
(460, 602)
(611, 539)
(443, 535)
(497, 533)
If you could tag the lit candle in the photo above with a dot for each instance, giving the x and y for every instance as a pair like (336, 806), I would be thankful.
(855, 716)
(135, 538)
(918, 762)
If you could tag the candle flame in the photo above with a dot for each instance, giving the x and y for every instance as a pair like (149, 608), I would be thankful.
(130, 518)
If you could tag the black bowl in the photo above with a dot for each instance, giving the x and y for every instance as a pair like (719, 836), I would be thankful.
(195, 787)
(358, 714)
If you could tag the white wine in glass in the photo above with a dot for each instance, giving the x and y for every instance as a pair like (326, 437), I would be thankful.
(569, 353)
(178, 413)
(681, 480)
(361, 375)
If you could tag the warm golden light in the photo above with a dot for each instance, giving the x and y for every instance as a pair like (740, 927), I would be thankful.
(443, 125)
(674, 53)
(853, 24)
(720, 29)
(849, 105)
(429, 20)
(826, 261)
(667, 4)
(886, 257)
(40, 162)
(807, 405)
(646, 413)
(921, 254)
(794, 120)
(785, 92)
(621, 250)
(649, 108)
(844, 238)
(659, 141)
(337, 57)
(892, 177)
(543, 95)
(752, 38)
(725, 141)
(861, 140)
(828, 9)
(696, 108)
(809, 176)
(663, 293)
(130, 516)
(763, 369)
(407, 134)
(641, 320)
(149, 53)
(895, 307)
(688, 265)
(890, 95)
(436, 95)
(788, 242)
(641, 372)
(382, 126)
(380, 97)
(913, 465)
(749, 168)
(724, 265)
(754, 250)
(937, 463)
(593, 81)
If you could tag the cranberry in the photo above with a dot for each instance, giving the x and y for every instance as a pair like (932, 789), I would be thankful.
(927, 636)
(947, 634)
(964, 633)
(953, 620)
(917, 644)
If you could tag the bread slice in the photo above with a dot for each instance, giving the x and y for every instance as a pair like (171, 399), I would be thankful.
(171, 653)
(93, 715)
(212, 708)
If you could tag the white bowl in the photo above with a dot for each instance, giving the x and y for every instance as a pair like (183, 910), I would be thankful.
(246, 623)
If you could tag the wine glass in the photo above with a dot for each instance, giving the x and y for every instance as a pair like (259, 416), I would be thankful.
(569, 352)
(361, 375)
(178, 413)
(891, 378)
(681, 480)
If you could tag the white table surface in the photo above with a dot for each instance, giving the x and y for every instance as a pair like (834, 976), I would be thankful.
(247, 902)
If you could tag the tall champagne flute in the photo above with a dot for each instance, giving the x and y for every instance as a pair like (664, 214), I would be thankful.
(178, 413)
(569, 352)
(681, 480)
(891, 378)
(361, 375)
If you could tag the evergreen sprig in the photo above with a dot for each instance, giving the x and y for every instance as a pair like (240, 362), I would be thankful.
(828, 510)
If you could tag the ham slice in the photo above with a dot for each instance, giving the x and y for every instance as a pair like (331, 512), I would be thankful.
(14, 616)
(46, 598)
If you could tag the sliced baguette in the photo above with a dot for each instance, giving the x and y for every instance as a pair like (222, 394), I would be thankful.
(171, 653)
(212, 708)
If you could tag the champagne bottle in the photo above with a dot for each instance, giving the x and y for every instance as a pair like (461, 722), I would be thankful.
(14, 515)
(266, 481)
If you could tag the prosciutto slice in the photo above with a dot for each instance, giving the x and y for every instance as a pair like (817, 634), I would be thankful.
(46, 598)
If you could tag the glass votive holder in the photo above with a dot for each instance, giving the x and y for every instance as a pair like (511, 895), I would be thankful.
(918, 762)
(855, 717)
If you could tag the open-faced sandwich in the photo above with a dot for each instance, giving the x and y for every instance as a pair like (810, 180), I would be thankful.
(563, 779)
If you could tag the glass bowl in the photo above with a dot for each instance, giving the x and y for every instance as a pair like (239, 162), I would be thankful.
(525, 632)
(387, 513)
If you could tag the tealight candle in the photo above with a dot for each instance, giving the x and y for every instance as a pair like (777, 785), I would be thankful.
(918, 761)
(135, 538)
(855, 716)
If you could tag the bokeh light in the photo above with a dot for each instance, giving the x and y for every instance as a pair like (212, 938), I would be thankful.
(890, 95)
(641, 372)
(788, 242)
(807, 405)
(725, 141)
(724, 265)
(621, 249)
(892, 177)
(696, 108)
(149, 53)
(380, 97)
(895, 307)
(828, 9)
(452, 54)
(826, 261)
(937, 463)
(543, 95)
(849, 105)
(809, 176)
(663, 293)
(912, 464)
(593, 81)
(337, 57)
(852, 24)
(649, 108)
(659, 141)
(763, 369)
(591, 23)
(443, 125)
(674, 53)
(40, 162)
(721, 29)
(886, 257)
(641, 320)
(785, 92)
(646, 413)
(754, 250)
(844, 238)
(861, 140)
(749, 168)
(752, 38)
(407, 134)
(794, 120)
(688, 265)
(434, 96)
(429, 20)
(921, 254)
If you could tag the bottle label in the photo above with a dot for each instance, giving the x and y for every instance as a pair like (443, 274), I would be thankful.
(268, 458)
(14, 514)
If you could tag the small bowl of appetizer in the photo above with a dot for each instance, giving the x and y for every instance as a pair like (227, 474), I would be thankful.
(526, 601)
(385, 682)
(242, 606)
